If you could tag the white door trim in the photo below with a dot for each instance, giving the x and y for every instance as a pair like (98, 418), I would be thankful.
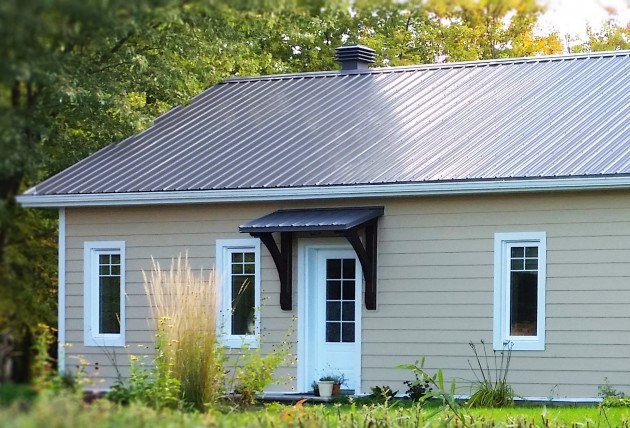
(307, 248)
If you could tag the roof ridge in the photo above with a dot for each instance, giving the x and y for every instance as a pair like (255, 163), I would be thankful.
(435, 66)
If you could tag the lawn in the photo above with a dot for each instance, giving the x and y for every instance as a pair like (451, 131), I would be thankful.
(65, 410)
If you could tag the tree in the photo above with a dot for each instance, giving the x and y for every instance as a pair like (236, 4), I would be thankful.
(486, 29)
(76, 75)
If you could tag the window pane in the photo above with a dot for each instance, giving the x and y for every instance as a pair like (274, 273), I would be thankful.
(516, 264)
(531, 252)
(103, 259)
(250, 257)
(531, 264)
(333, 290)
(333, 311)
(348, 290)
(348, 268)
(109, 305)
(347, 332)
(237, 257)
(250, 268)
(103, 270)
(333, 269)
(524, 303)
(348, 311)
(518, 251)
(237, 268)
(243, 304)
(333, 332)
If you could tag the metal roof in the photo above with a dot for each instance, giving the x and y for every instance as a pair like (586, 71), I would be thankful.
(319, 219)
(541, 117)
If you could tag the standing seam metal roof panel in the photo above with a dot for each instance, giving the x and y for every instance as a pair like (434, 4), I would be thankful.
(559, 116)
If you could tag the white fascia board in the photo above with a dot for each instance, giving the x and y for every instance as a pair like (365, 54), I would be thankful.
(325, 192)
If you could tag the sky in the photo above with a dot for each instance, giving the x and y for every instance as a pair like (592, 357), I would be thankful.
(571, 16)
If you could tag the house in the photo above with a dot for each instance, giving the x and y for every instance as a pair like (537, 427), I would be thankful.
(396, 212)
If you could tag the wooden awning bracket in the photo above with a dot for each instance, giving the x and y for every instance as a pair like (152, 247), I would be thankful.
(365, 249)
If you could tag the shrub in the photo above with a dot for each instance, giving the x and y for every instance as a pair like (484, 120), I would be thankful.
(491, 388)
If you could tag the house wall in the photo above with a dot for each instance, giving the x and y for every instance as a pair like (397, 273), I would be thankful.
(435, 283)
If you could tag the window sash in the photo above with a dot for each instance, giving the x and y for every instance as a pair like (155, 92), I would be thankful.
(104, 293)
(520, 266)
(238, 265)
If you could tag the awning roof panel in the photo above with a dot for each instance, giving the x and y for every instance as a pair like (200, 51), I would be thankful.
(318, 219)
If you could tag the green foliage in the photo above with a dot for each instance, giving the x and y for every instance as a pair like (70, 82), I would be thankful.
(254, 371)
(491, 388)
(418, 388)
(337, 378)
(606, 390)
(612, 36)
(438, 391)
(382, 393)
(155, 387)
(44, 375)
(16, 393)
(615, 401)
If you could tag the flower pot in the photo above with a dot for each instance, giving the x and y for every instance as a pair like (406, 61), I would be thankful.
(335, 389)
(325, 388)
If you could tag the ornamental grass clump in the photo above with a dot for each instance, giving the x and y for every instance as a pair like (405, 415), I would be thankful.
(187, 304)
(491, 387)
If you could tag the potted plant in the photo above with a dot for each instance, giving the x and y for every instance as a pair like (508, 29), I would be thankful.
(325, 386)
(335, 382)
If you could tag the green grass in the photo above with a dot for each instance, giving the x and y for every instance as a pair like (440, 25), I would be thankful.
(64, 410)
(12, 392)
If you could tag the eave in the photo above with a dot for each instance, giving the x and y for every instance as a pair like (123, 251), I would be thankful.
(468, 187)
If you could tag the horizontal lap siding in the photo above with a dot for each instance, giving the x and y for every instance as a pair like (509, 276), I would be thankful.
(162, 233)
(436, 290)
(435, 281)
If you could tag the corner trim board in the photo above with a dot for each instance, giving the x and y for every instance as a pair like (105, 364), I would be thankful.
(61, 292)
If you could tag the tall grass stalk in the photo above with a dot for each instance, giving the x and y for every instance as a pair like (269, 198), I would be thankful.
(187, 303)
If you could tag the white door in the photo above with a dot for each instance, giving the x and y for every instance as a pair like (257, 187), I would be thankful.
(332, 314)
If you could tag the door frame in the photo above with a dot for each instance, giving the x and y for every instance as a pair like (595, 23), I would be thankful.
(307, 253)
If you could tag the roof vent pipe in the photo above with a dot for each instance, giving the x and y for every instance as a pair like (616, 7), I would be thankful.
(356, 57)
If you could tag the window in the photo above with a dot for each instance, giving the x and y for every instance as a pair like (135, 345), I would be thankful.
(104, 293)
(519, 290)
(238, 266)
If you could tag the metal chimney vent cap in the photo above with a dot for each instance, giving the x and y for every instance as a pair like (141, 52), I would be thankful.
(355, 57)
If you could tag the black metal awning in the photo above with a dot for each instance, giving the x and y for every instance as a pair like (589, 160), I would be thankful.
(348, 222)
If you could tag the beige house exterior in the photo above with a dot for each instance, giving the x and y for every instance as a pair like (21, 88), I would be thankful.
(435, 279)
(540, 260)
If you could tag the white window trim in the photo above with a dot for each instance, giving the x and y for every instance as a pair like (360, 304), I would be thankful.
(501, 328)
(90, 294)
(223, 248)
